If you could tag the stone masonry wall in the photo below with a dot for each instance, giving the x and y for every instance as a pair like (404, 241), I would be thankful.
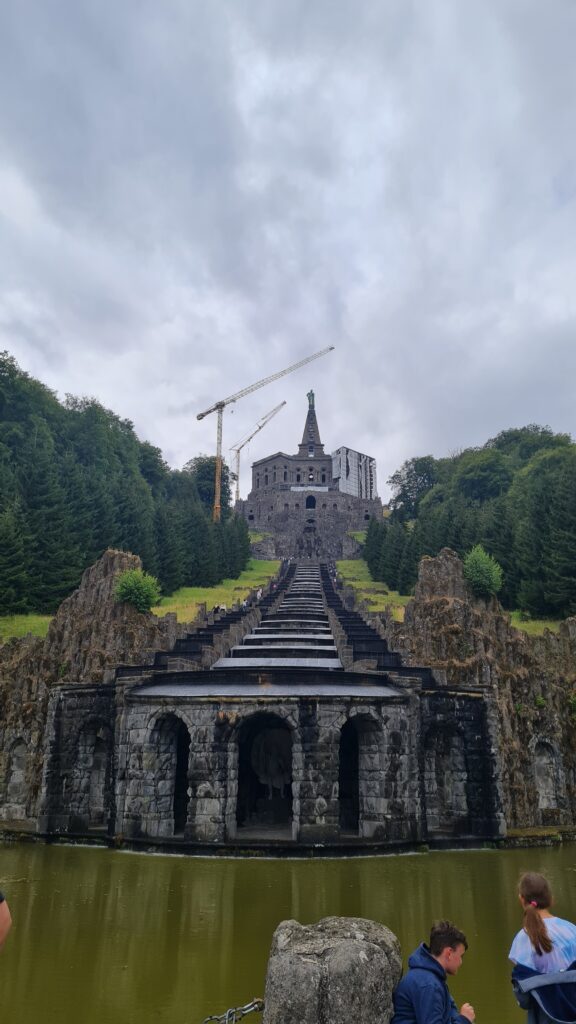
(88, 637)
(389, 779)
(529, 683)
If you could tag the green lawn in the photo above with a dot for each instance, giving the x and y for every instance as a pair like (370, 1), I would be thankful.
(186, 601)
(359, 535)
(19, 625)
(534, 627)
(356, 574)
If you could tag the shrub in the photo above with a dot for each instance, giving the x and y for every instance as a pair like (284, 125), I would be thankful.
(483, 572)
(139, 589)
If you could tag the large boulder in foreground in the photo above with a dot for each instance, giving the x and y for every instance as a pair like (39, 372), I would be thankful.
(339, 970)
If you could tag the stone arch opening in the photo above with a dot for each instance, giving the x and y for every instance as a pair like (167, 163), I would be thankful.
(446, 782)
(546, 776)
(170, 741)
(348, 778)
(264, 801)
(310, 501)
(360, 776)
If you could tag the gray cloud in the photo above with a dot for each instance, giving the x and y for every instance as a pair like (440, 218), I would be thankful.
(195, 194)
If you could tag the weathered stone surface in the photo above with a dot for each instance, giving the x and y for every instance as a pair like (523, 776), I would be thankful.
(89, 636)
(339, 970)
(92, 632)
(529, 682)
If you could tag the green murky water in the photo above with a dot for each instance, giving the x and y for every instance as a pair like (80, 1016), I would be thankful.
(111, 937)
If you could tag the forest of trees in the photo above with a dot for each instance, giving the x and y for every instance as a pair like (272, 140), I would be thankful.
(516, 496)
(75, 480)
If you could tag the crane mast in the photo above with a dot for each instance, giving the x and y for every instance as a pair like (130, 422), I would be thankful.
(237, 448)
(219, 407)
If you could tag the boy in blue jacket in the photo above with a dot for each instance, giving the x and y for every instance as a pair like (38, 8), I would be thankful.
(422, 997)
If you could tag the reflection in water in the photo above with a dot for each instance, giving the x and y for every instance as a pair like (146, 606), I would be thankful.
(107, 937)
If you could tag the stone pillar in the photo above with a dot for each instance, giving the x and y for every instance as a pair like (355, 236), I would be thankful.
(339, 970)
(319, 820)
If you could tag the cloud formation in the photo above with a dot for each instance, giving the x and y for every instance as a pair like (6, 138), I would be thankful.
(196, 194)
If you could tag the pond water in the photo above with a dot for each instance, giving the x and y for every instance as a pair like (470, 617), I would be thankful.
(104, 937)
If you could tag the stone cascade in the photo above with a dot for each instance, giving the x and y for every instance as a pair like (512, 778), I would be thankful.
(361, 639)
(200, 648)
(296, 634)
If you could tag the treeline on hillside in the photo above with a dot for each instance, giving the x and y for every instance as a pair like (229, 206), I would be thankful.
(75, 479)
(516, 496)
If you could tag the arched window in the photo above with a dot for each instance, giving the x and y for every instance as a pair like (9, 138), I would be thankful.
(310, 501)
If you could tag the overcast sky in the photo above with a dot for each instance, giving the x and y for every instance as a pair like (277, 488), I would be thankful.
(194, 195)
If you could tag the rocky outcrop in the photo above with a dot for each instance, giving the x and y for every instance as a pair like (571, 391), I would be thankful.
(92, 632)
(336, 971)
(88, 637)
(531, 682)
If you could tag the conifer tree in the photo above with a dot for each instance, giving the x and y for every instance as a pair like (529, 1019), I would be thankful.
(170, 567)
(13, 573)
(54, 565)
(560, 552)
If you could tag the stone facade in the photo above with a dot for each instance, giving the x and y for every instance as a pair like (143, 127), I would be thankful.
(164, 751)
(125, 763)
(303, 509)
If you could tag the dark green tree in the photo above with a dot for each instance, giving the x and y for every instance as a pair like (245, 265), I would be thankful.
(410, 483)
(13, 564)
(202, 470)
(482, 572)
(560, 551)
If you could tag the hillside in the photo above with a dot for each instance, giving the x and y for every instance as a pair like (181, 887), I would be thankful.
(516, 495)
(75, 480)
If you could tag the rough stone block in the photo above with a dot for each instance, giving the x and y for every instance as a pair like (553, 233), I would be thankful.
(334, 972)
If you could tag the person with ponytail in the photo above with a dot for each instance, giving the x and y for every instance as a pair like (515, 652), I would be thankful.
(545, 945)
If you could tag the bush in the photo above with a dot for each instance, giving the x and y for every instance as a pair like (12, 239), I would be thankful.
(139, 589)
(483, 572)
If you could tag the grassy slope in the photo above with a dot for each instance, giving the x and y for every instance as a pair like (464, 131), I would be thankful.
(357, 575)
(19, 625)
(376, 595)
(534, 627)
(186, 601)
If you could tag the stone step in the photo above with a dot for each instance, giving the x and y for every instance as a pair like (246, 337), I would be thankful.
(330, 664)
(280, 651)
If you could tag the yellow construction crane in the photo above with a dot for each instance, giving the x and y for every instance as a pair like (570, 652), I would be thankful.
(237, 448)
(219, 407)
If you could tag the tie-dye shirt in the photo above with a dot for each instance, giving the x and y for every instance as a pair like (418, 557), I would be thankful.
(563, 936)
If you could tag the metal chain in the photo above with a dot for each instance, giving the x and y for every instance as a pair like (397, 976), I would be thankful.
(237, 1012)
